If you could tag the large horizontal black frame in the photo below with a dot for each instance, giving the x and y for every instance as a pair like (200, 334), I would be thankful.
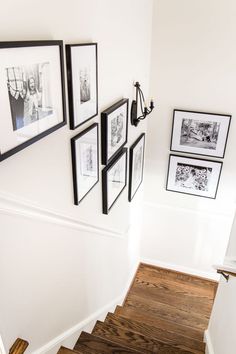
(105, 172)
(131, 161)
(104, 130)
(197, 112)
(70, 74)
(74, 163)
(20, 44)
(198, 159)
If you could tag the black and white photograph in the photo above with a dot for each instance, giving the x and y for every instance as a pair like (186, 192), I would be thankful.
(193, 176)
(114, 180)
(200, 133)
(85, 162)
(32, 97)
(114, 130)
(29, 91)
(136, 162)
(82, 79)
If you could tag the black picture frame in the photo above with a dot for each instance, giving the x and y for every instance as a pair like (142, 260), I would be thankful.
(193, 176)
(32, 90)
(200, 133)
(118, 168)
(82, 79)
(114, 129)
(136, 164)
(85, 162)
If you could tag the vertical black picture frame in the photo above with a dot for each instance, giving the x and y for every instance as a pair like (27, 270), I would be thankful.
(82, 79)
(114, 131)
(85, 162)
(136, 165)
(114, 180)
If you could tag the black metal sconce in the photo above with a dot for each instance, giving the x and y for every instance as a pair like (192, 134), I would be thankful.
(144, 109)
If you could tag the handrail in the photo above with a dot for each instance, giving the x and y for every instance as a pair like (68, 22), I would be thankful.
(19, 346)
(226, 274)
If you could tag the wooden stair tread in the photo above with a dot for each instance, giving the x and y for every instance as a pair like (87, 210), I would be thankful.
(134, 340)
(159, 280)
(157, 322)
(181, 298)
(96, 345)
(164, 335)
(167, 311)
(177, 276)
(64, 350)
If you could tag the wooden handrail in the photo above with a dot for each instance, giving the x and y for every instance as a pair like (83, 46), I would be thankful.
(19, 346)
(226, 273)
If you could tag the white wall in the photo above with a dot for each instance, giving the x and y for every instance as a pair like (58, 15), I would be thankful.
(53, 277)
(193, 68)
(221, 332)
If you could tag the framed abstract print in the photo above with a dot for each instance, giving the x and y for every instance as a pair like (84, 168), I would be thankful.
(32, 97)
(114, 130)
(114, 179)
(193, 176)
(85, 162)
(200, 133)
(82, 79)
(136, 162)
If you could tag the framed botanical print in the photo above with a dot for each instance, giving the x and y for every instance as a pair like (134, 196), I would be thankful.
(114, 130)
(136, 162)
(32, 97)
(200, 133)
(82, 79)
(193, 176)
(114, 178)
(85, 162)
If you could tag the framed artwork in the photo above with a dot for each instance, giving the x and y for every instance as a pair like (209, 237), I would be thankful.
(114, 177)
(200, 133)
(85, 162)
(82, 79)
(32, 96)
(114, 130)
(193, 176)
(136, 161)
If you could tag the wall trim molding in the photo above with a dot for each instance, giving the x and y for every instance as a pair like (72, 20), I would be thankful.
(182, 269)
(11, 205)
(206, 213)
(207, 340)
(90, 320)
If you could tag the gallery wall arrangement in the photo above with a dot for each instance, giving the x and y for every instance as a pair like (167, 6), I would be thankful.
(197, 133)
(32, 95)
(32, 101)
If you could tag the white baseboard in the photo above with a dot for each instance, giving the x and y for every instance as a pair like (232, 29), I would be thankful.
(69, 337)
(179, 268)
(209, 345)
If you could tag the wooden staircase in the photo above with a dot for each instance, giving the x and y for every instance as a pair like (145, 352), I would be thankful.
(165, 312)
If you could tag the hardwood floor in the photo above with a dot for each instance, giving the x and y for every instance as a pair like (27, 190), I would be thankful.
(164, 312)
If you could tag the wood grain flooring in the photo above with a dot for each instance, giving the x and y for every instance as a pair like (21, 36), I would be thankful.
(164, 312)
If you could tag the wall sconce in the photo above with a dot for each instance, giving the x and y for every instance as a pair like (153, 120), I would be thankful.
(144, 109)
